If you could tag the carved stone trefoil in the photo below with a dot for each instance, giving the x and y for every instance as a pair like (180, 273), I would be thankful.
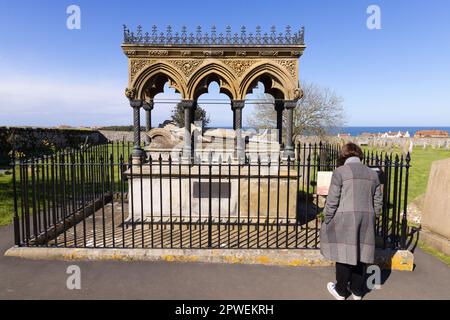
(290, 66)
(239, 66)
(137, 65)
(186, 66)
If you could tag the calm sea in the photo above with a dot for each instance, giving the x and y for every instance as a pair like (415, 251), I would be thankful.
(356, 131)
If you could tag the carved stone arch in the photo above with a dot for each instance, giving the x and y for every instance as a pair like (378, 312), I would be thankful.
(152, 79)
(276, 81)
(200, 80)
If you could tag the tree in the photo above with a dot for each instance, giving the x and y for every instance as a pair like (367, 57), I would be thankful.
(199, 115)
(319, 112)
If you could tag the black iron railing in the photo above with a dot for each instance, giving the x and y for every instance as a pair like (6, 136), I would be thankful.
(168, 37)
(97, 198)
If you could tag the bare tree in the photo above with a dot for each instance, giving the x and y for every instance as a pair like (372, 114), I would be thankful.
(319, 112)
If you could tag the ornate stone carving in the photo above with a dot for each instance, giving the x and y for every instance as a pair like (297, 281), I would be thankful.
(137, 65)
(297, 93)
(213, 53)
(290, 66)
(242, 59)
(130, 93)
(186, 66)
(268, 53)
(239, 66)
(158, 52)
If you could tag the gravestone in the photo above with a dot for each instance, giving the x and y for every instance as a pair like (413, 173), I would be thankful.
(436, 215)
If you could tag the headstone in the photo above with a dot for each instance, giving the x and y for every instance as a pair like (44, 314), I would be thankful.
(436, 215)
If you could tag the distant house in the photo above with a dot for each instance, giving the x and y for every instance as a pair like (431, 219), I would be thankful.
(368, 135)
(344, 135)
(431, 134)
(392, 135)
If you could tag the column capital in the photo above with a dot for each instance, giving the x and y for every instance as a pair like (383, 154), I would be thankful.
(279, 105)
(187, 104)
(237, 104)
(136, 103)
(290, 104)
(148, 105)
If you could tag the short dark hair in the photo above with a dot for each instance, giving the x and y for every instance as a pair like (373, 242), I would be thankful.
(350, 150)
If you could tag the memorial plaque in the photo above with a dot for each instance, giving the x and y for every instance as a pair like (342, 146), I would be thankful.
(218, 190)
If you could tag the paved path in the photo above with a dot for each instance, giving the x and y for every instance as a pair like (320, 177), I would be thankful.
(24, 279)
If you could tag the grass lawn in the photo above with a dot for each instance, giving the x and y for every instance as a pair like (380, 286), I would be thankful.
(6, 199)
(421, 166)
(421, 160)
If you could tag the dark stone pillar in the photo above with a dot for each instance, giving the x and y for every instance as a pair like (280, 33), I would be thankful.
(138, 153)
(148, 107)
(279, 107)
(188, 108)
(289, 105)
(237, 106)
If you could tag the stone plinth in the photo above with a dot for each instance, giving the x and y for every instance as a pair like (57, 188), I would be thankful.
(436, 215)
(186, 192)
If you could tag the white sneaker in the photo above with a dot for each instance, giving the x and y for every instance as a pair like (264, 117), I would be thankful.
(354, 296)
(332, 289)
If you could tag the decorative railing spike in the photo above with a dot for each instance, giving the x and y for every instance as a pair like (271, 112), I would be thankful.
(204, 38)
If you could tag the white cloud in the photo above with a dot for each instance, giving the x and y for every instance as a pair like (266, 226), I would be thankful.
(26, 100)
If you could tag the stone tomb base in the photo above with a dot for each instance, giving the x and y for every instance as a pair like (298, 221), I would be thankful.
(235, 192)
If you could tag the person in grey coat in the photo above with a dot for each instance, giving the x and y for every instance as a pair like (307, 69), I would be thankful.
(348, 231)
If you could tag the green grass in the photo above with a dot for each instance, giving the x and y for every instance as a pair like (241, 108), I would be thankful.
(421, 160)
(443, 257)
(6, 199)
(421, 166)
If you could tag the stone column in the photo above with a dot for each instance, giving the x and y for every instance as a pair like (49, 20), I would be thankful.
(148, 107)
(279, 107)
(137, 153)
(188, 108)
(289, 105)
(237, 106)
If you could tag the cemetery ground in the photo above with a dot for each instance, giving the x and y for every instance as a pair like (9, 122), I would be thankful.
(422, 159)
(39, 279)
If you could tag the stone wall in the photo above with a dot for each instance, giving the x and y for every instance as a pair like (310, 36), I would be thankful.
(36, 141)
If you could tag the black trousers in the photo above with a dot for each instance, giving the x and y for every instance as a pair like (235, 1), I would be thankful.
(354, 276)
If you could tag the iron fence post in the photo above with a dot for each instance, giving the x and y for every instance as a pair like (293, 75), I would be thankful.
(16, 211)
(405, 207)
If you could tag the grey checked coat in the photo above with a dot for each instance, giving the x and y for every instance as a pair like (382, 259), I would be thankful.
(354, 199)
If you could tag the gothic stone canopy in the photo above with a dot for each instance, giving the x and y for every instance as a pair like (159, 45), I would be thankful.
(191, 61)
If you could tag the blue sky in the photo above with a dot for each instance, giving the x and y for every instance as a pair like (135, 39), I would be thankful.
(396, 76)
